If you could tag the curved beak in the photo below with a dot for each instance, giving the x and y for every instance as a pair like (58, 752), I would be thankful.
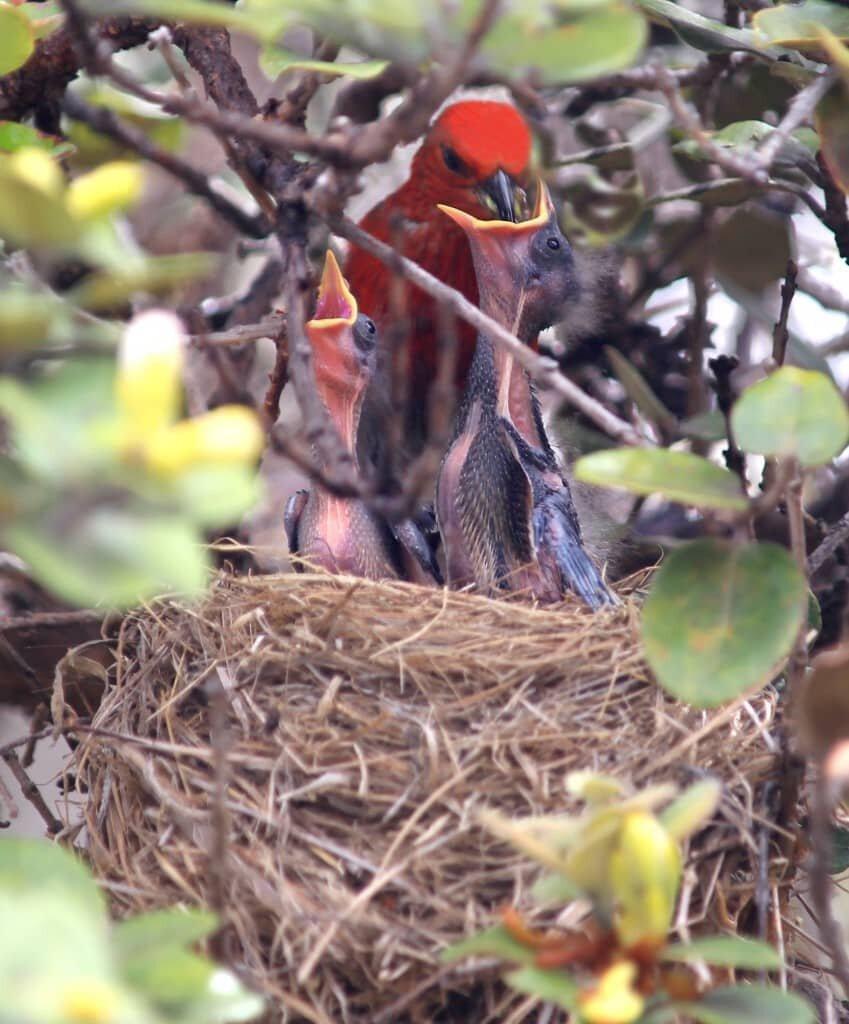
(501, 189)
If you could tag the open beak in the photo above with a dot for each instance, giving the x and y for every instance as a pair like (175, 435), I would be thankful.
(501, 247)
(331, 330)
(501, 189)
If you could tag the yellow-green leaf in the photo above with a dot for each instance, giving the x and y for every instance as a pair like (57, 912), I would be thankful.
(680, 476)
(108, 189)
(16, 38)
(800, 25)
(793, 413)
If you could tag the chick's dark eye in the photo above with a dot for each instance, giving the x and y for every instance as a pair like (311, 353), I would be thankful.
(452, 161)
(553, 243)
(370, 326)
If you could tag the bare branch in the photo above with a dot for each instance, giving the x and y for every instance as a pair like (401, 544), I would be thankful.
(105, 121)
(780, 336)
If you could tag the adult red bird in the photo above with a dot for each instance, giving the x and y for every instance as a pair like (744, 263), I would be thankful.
(472, 158)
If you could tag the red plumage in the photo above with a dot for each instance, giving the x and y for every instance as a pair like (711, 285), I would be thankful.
(468, 143)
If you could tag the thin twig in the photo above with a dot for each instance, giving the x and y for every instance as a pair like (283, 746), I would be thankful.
(837, 534)
(799, 110)
(780, 336)
(107, 123)
(31, 792)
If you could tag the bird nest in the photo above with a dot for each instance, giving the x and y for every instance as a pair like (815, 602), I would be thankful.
(308, 754)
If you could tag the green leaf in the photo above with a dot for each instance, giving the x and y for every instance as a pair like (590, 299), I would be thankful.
(112, 557)
(705, 426)
(203, 12)
(161, 930)
(35, 864)
(106, 289)
(214, 496)
(799, 25)
(551, 986)
(578, 49)
(743, 136)
(640, 392)
(702, 33)
(14, 136)
(495, 941)
(52, 419)
(274, 61)
(749, 1004)
(32, 217)
(721, 618)
(793, 413)
(16, 38)
(832, 121)
(680, 476)
(25, 318)
(689, 811)
(751, 248)
(725, 951)
(555, 889)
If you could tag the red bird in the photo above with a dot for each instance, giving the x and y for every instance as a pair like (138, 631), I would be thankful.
(472, 158)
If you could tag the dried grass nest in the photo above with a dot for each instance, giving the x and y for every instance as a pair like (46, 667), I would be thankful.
(360, 728)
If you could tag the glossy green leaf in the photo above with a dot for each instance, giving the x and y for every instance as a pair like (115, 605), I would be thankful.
(793, 413)
(551, 986)
(16, 38)
(799, 25)
(111, 557)
(495, 941)
(721, 618)
(579, 49)
(724, 951)
(749, 1004)
(832, 121)
(680, 476)
(14, 136)
(274, 61)
(703, 33)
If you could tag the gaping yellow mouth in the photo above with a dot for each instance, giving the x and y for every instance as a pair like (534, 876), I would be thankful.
(543, 209)
(336, 306)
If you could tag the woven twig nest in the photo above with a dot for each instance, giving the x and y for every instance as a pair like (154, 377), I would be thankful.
(327, 801)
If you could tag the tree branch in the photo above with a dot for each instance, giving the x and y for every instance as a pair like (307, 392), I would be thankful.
(108, 123)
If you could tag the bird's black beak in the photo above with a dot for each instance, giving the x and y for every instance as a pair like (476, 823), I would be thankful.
(501, 189)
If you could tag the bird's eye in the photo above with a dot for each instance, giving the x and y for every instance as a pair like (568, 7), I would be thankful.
(370, 326)
(452, 161)
(553, 243)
